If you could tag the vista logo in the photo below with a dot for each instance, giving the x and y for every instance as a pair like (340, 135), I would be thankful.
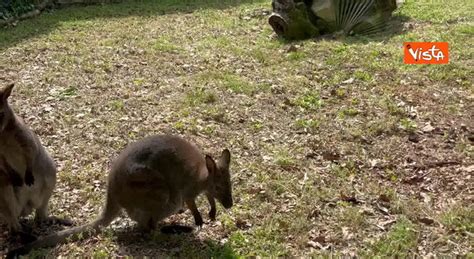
(426, 53)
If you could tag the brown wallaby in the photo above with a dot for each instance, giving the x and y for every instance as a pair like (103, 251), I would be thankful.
(22, 160)
(151, 179)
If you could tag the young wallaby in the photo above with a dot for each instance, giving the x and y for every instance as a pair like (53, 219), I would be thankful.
(22, 159)
(151, 179)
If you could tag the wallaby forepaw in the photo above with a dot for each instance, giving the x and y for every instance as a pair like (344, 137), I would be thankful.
(17, 181)
(29, 178)
(199, 222)
(212, 215)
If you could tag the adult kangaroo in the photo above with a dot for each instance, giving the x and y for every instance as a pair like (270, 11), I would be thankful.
(27, 171)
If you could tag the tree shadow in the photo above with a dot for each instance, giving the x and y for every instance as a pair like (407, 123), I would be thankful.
(51, 19)
(135, 243)
(31, 227)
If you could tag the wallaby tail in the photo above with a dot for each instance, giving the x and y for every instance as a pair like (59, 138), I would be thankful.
(80, 232)
(72, 234)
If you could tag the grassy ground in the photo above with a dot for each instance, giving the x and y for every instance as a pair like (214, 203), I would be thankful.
(338, 147)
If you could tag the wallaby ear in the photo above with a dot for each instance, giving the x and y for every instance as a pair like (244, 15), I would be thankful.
(225, 158)
(7, 91)
(211, 165)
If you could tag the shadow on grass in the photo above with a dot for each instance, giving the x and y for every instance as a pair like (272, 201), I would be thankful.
(8, 242)
(184, 245)
(49, 20)
(134, 243)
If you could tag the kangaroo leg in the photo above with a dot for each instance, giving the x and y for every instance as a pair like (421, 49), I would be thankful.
(18, 233)
(12, 221)
(42, 217)
(145, 220)
(11, 207)
(42, 214)
(11, 215)
(109, 213)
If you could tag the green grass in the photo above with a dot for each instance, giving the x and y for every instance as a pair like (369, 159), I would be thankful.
(117, 105)
(310, 124)
(400, 241)
(408, 125)
(236, 84)
(459, 219)
(257, 125)
(200, 96)
(310, 101)
(232, 82)
(349, 112)
(283, 158)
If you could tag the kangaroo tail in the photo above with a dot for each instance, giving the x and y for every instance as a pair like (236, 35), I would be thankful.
(85, 231)
(72, 234)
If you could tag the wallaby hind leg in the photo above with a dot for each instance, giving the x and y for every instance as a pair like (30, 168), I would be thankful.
(17, 232)
(12, 221)
(109, 213)
(145, 220)
(10, 208)
(147, 224)
(42, 214)
(42, 217)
